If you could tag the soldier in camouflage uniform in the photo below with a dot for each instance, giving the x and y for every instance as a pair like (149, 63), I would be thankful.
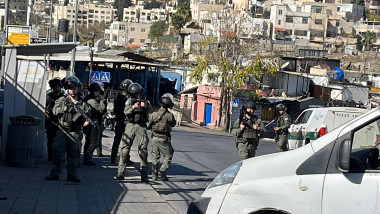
(283, 124)
(50, 119)
(248, 128)
(161, 123)
(92, 132)
(101, 116)
(136, 112)
(119, 105)
(70, 131)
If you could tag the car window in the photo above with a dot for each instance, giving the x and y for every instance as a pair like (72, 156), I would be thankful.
(304, 117)
(365, 147)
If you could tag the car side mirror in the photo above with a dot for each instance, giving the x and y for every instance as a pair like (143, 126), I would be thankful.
(344, 156)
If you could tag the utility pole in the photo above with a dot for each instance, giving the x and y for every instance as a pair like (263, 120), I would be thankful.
(72, 67)
(5, 41)
(49, 33)
(29, 15)
(91, 57)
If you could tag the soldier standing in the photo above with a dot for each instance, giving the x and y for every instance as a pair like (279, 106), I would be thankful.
(161, 123)
(283, 124)
(100, 119)
(70, 131)
(92, 131)
(247, 128)
(119, 105)
(136, 112)
(50, 119)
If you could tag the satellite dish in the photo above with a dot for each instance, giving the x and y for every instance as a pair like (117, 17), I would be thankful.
(284, 65)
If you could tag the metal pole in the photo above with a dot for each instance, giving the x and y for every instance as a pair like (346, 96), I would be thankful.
(74, 39)
(49, 33)
(91, 58)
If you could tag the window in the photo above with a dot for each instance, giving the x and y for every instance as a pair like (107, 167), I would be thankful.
(142, 30)
(108, 12)
(304, 117)
(114, 37)
(300, 33)
(299, 9)
(131, 40)
(304, 20)
(337, 23)
(122, 27)
(328, 11)
(279, 22)
(318, 21)
(289, 32)
(132, 29)
(142, 40)
(279, 12)
(289, 19)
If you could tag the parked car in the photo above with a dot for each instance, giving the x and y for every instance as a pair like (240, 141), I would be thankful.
(337, 173)
(312, 123)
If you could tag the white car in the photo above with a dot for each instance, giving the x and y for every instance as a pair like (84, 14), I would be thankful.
(337, 173)
(313, 123)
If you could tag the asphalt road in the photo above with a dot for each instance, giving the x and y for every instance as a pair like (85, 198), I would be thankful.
(200, 155)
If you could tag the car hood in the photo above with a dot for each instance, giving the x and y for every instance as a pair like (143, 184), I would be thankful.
(273, 165)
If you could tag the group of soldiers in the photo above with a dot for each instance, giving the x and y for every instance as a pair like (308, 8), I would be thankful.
(248, 128)
(70, 114)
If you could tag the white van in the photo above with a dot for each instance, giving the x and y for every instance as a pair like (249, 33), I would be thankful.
(337, 173)
(313, 123)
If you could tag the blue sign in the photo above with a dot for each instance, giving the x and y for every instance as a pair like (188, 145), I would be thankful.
(105, 77)
(95, 76)
(235, 103)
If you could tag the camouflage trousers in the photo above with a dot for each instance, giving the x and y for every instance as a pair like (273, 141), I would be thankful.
(134, 131)
(282, 143)
(68, 142)
(247, 148)
(91, 141)
(161, 146)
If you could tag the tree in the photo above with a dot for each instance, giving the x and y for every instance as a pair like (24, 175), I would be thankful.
(181, 17)
(367, 40)
(152, 4)
(228, 56)
(120, 5)
(85, 32)
(157, 30)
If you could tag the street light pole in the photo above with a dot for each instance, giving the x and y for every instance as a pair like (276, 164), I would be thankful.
(74, 39)
(91, 57)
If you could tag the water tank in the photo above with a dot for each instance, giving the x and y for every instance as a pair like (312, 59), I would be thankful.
(63, 26)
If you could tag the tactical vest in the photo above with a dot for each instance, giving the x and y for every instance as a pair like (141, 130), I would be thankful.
(249, 132)
(161, 125)
(66, 119)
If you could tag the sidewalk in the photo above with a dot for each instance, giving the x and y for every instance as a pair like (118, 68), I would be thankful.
(27, 191)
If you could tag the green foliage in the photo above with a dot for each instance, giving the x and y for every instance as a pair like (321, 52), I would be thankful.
(181, 17)
(152, 4)
(120, 5)
(157, 30)
(367, 40)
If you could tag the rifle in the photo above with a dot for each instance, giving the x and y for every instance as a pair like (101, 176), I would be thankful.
(275, 119)
(139, 100)
(81, 111)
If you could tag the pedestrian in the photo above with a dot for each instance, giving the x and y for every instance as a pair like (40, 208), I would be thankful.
(51, 120)
(68, 136)
(119, 105)
(248, 128)
(161, 123)
(92, 131)
(283, 124)
(136, 112)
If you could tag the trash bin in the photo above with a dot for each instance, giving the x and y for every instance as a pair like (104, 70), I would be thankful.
(21, 141)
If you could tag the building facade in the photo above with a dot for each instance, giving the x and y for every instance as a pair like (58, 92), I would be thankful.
(130, 34)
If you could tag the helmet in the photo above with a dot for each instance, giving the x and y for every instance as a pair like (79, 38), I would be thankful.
(125, 84)
(95, 87)
(71, 82)
(166, 102)
(251, 105)
(135, 88)
(280, 107)
(168, 95)
(54, 82)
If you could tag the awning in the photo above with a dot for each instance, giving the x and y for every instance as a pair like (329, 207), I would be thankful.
(134, 45)
(279, 29)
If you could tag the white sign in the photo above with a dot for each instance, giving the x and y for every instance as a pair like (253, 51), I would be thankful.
(30, 71)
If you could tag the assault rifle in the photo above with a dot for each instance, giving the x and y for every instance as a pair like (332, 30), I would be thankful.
(81, 111)
(139, 100)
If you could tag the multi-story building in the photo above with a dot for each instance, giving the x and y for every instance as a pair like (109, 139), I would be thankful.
(137, 13)
(373, 6)
(130, 34)
(351, 12)
(18, 8)
(87, 13)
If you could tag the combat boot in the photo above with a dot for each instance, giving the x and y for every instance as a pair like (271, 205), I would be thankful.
(52, 177)
(144, 178)
(119, 177)
(74, 179)
(163, 176)
(89, 163)
(154, 172)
